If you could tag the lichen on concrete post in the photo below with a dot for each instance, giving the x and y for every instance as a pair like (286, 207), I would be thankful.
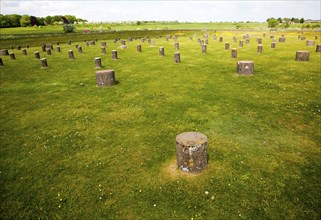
(191, 152)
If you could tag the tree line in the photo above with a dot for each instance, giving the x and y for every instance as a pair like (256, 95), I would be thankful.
(274, 22)
(15, 20)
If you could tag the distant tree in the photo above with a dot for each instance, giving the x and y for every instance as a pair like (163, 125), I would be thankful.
(41, 21)
(296, 20)
(57, 18)
(4, 21)
(14, 20)
(286, 25)
(279, 20)
(302, 20)
(33, 21)
(272, 23)
(71, 18)
(138, 22)
(69, 28)
(48, 20)
(25, 21)
(65, 20)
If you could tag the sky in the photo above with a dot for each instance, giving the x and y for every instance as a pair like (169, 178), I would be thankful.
(166, 10)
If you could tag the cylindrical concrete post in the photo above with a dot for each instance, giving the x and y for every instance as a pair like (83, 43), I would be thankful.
(4, 52)
(24, 51)
(58, 48)
(37, 55)
(281, 39)
(245, 67)
(273, 44)
(302, 55)
(241, 43)
(310, 43)
(43, 62)
(139, 48)
(221, 39)
(105, 78)
(48, 51)
(12, 56)
(318, 48)
(234, 53)
(69, 42)
(114, 54)
(71, 54)
(98, 62)
(1, 62)
(191, 152)
(177, 57)
(103, 50)
(259, 48)
(176, 46)
(161, 51)
(79, 49)
(227, 46)
(43, 47)
(204, 47)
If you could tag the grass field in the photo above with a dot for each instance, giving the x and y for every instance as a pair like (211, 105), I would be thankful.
(70, 150)
(107, 27)
(99, 27)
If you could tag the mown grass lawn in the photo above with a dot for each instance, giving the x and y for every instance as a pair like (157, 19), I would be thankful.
(70, 150)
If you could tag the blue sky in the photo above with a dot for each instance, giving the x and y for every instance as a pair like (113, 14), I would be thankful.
(134, 10)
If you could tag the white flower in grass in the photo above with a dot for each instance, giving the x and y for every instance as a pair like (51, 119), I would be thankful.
(206, 192)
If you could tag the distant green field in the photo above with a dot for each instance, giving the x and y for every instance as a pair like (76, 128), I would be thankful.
(103, 27)
(98, 27)
(71, 150)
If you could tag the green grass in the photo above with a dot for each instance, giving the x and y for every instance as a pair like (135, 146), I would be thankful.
(70, 150)
(98, 27)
